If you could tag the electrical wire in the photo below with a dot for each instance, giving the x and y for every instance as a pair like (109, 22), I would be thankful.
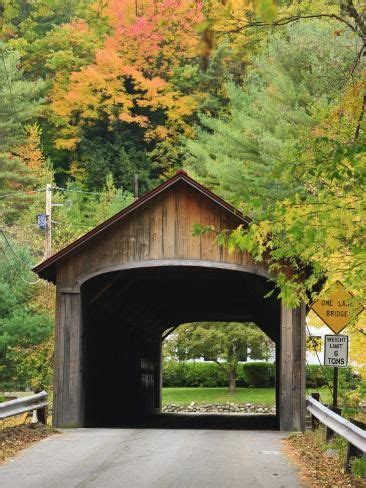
(16, 194)
(16, 271)
(60, 188)
(21, 260)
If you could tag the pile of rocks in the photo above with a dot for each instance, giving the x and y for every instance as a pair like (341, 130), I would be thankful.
(218, 408)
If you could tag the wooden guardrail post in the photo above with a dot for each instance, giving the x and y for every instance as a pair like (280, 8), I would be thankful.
(352, 451)
(42, 414)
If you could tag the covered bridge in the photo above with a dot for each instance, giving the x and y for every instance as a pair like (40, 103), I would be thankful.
(140, 273)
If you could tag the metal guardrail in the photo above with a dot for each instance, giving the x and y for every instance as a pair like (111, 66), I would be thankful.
(22, 405)
(353, 434)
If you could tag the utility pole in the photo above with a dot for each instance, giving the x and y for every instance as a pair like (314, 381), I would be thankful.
(48, 234)
(136, 185)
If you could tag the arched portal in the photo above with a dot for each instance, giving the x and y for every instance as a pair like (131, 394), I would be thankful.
(142, 271)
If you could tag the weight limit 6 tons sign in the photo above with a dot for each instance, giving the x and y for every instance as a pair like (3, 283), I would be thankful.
(336, 351)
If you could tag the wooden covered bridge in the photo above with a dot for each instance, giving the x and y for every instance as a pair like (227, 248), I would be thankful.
(124, 283)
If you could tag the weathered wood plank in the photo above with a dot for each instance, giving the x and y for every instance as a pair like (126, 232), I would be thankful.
(68, 362)
(169, 225)
(160, 230)
(156, 229)
(292, 375)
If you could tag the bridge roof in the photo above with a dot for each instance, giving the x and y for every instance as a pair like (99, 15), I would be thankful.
(47, 268)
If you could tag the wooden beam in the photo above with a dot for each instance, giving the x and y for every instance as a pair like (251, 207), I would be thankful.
(68, 407)
(292, 369)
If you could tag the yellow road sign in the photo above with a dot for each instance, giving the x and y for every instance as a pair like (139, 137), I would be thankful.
(337, 308)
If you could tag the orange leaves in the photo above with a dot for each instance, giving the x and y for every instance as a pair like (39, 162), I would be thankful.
(130, 75)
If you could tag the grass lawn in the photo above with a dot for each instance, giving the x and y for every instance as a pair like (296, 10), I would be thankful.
(184, 396)
(263, 396)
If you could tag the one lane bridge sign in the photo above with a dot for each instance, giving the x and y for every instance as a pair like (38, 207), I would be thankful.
(336, 351)
(338, 308)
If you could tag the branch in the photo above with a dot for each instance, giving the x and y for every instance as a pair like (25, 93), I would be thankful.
(295, 18)
(358, 59)
(349, 9)
(218, 362)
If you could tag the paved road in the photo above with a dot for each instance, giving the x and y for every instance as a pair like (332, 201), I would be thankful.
(152, 458)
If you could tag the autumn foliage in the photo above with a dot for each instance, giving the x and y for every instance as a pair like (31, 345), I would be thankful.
(129, 80)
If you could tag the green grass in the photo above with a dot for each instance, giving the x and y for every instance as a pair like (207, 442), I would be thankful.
(263, 396)
(184, 396)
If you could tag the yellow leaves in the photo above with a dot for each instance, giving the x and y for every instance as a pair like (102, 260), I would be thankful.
(137, 119)
(32, 155)
(30, 152)
(68, 144)
(227, 16)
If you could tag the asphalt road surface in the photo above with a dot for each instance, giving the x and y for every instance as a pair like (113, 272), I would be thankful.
(152, 458)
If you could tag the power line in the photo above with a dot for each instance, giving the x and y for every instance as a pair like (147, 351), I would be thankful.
(21, 260)
(16, 194)
(59, 188)
(76, 191)
(16, 271)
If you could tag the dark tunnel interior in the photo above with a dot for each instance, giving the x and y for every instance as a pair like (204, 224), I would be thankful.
(125, 314)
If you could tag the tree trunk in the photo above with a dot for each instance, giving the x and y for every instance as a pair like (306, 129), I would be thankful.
(232, 380)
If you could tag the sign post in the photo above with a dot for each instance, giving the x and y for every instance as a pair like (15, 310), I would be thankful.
(336, 356)
(335, 387)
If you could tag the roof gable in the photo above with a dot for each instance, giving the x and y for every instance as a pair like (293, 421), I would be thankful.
(47, 268)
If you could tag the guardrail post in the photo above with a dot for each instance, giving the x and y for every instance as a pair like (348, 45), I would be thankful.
(42, 414)
(329, 433)
(352, 451)
(314, 420)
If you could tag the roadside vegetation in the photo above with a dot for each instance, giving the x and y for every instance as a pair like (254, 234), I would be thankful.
(321, 463)
(17, 437)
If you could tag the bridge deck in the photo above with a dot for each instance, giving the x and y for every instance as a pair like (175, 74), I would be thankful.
(153, 458)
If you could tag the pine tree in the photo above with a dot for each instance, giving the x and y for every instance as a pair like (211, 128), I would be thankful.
(19, 100)
(291, 154)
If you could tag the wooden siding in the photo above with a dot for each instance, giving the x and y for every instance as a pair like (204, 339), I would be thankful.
(160, 230)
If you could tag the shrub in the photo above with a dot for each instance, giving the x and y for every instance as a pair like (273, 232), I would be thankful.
(318, 376)
(209, 374)
(259, 374)
(206, 374)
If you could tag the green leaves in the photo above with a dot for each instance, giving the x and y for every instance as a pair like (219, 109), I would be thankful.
(226, 343)
(285, 155)
(266, 10)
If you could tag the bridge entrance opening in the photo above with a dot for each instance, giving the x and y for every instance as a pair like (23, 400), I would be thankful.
(124, 326)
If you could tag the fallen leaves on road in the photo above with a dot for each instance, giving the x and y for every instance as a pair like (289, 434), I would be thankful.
(317, 469)
(14, 439)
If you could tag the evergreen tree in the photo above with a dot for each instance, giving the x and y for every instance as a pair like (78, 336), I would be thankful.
(291, 154)
(20, 101)
(249, 153)
(21, 324)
